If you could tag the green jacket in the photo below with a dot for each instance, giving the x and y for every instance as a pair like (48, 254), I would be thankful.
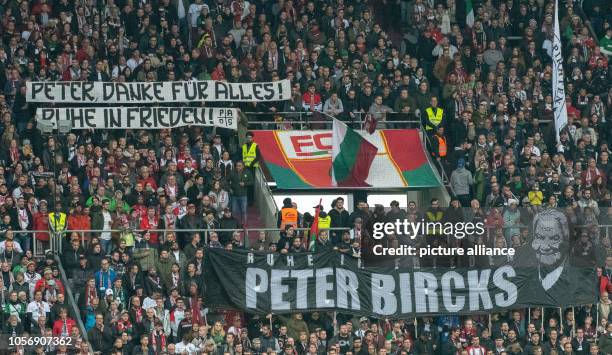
(479, 185)
(605, 44)
(164, 267)
(111, 207)
(145, 258)
(18, 308)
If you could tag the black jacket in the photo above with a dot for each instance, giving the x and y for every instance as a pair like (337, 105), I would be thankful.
(70, 258)
(101, 340)
(339, 219)
(14, 213)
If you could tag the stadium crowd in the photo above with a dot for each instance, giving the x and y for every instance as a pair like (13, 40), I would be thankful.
(481, 91)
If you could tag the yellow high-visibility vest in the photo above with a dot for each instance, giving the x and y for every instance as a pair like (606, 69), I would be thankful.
(437, 217)
(59, 224)
(248, 155)
(325, 222)
(432, 118)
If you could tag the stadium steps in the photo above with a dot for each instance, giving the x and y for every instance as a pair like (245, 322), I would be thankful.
(254, 220)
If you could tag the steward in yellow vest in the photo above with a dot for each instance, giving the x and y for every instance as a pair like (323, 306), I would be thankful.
(434, 116)
(57, 222)
(250, 152)
(324, 220)
(434, 214)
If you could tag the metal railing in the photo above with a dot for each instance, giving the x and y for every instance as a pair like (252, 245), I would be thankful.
(69, 294)
(59, 241)
(264, 199)
(304, 120)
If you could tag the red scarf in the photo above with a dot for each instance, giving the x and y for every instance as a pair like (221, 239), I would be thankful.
(162, 340)
(138, 312)
(196, 317)
(124, 326)
(91, 294)
(14, 154)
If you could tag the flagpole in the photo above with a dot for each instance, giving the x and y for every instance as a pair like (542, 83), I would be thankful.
(335, 323)
(596, 321)
(573, 322)
(558, 81)
(529, 315)
(542, 320)
(561, 319)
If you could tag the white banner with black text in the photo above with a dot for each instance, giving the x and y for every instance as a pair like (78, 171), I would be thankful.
(139, 117)
(84, 92)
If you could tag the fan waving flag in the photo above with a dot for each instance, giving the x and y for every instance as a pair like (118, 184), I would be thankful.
(352, 157)
(314, 228)
(469, 11)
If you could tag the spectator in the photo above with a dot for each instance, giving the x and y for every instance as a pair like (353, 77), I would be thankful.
(461, 180)
(240, 180)
(333, 106)
(489, 96)
(312, 100)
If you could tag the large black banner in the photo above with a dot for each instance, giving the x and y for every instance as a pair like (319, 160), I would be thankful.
(265, 283)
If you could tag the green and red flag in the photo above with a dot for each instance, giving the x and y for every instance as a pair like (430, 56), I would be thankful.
(352, 157)
(469, 13)
(302, 160)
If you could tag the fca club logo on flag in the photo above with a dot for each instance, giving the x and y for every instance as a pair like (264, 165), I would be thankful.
(312, 145)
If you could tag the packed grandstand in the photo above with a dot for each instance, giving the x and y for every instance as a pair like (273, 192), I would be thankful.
(140, 227)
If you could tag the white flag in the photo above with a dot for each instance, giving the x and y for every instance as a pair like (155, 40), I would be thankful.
(558, 86)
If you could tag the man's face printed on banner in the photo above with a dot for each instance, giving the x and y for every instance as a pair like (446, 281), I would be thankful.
(547, 242)
(550, 237)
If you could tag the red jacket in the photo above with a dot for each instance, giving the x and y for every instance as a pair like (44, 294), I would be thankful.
(41, 223)
(79, 222)
(149, 180)
(146, 224)
(59, 324)
(41, 285)
(312, 101)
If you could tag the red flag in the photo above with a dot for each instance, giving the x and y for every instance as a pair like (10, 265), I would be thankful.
(370, 123)
(314, 228)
